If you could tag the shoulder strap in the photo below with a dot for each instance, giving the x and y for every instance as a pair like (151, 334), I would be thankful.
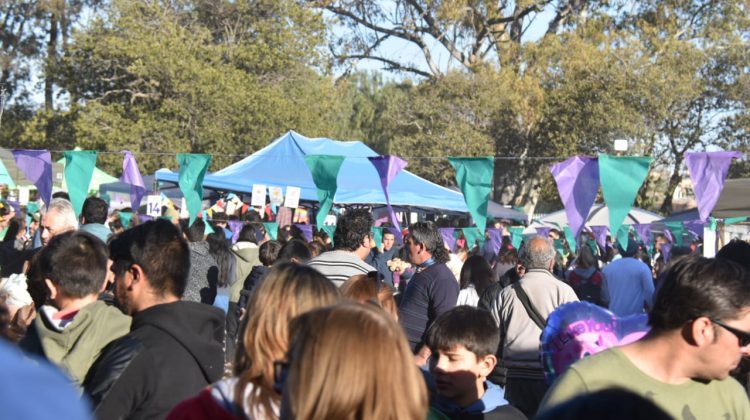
(530, 309)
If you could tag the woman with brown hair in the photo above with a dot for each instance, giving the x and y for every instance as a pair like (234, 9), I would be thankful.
(370, 287)
(288, 290)
(335, 367)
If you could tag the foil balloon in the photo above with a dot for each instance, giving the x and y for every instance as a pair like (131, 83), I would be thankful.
(579, 329)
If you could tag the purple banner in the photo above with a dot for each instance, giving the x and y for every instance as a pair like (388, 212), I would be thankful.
(600, 235)
(448, 238)
(496, 239)
(143, 218)
(665, 249)
(307, 231)
(695, 227)
(708, 170)
(577, 182)
(644, 232)
(543, 231)
(132, 175)
(388, 167)
(36, 166)
(236, 227)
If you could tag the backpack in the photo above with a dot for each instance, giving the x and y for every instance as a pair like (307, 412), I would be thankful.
(587, 288)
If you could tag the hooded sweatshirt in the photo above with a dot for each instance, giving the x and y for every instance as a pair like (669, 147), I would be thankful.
(247, 258)
(492, 405)
(173, 350)
(74, 342)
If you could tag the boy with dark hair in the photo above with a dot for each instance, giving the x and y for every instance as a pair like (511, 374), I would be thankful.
(94, 218)
(74, 327)
(463, 342)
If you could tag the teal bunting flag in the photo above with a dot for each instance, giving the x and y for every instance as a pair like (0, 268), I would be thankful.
(79, 168)
(473, 237)
(125, 218)
(516, 236)
(272, 228)
(571, 238)
(474, 177)
(377, 236)
(621, 178)
(193, 168)
(324, 170)
(329, 229)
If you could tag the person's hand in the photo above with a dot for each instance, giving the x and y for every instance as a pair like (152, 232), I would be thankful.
(20, 322)
(422, 356)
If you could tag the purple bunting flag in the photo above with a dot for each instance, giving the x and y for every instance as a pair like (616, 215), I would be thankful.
(307, 231)
(132, 175)
(708, 170)
(236, 227)
(644, 232)
(448, 238)
(543, 231)
(496, 239)
(388, 167)
(36, 166)
(600, 234)
(695, 227)
(577, 182)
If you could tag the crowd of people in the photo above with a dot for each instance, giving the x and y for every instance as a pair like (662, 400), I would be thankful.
(111, 318)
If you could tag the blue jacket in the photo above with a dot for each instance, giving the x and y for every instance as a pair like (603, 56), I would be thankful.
(494, 397)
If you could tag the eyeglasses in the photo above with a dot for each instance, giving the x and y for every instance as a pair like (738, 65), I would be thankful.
(742, 336)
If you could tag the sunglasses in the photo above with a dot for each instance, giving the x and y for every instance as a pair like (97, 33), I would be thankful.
(742, 336)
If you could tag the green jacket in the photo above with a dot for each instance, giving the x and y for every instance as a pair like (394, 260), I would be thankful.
(77, 345)
(247, 258)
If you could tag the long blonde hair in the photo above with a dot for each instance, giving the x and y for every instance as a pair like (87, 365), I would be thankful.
(352, 361)
(288, 290)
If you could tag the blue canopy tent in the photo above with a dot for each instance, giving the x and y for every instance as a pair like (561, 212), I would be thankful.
(282, 164)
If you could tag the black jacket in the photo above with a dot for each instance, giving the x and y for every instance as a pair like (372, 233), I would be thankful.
(173, 350)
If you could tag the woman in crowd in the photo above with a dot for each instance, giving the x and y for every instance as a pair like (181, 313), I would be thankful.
(333, 373)
(586, 279)
(476, 275)
(371, 288)
(226, 261)
(287, 291)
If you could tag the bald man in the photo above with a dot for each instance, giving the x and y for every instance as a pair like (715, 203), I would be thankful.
(520, 331)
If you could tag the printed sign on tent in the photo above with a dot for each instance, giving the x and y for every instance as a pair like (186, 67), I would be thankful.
(23, 196)
(292, 197)
(275, 195)
(153, 206)
(259, 195)
(184, 213)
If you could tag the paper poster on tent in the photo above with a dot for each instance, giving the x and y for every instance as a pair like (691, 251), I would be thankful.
(184, 213)
(153, 206)
(275, 195)
(330, 220)
(23, 196)
(292, 197)
(259, 195)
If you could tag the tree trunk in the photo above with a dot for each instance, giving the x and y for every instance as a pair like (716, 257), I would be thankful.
(674, 181)
(51, 60)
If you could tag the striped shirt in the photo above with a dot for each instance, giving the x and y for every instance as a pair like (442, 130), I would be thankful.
(339, 265)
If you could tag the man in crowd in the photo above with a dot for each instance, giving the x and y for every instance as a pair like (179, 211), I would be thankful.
(628, 286)
(352, 241)
(204, 272)
(700, 329)
(174, 348)
(94, 217)
(432, 290)
(380, 258)
(72, 331)
(59, 217)
(521, 311)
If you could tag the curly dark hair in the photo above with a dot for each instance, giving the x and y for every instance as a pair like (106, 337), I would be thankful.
(351, 228)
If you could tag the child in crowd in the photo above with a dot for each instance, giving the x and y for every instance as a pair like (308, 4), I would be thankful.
(463, 342)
